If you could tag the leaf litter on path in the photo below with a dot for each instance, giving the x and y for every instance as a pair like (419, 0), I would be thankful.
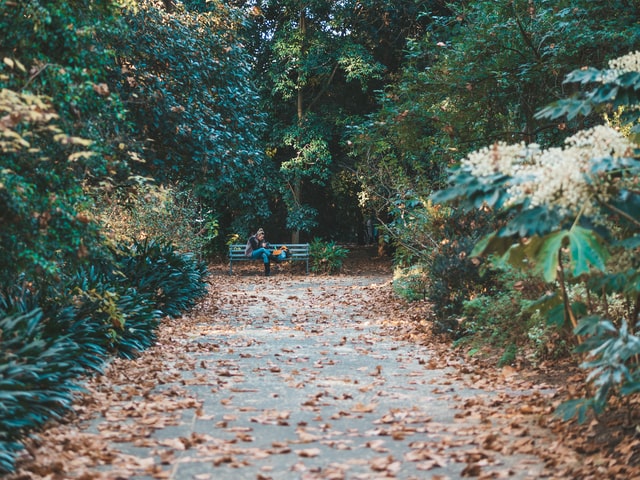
(304, 377)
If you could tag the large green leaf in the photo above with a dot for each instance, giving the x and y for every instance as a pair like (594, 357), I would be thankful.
(544, 250)
(586, 250)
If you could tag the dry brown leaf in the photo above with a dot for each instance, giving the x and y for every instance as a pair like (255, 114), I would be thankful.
(308, 452)
(362, 408)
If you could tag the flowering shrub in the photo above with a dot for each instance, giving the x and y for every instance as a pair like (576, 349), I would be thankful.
(572, 214)
(570, 179)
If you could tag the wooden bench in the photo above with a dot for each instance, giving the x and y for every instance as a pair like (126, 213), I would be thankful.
(299, 252)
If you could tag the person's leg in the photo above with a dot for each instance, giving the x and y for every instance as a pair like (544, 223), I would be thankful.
(258, 253)
(267, 264)
(264, 253)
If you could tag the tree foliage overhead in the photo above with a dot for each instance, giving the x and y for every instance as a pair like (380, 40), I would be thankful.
(320, 63)
(479, 75)
(186, 80)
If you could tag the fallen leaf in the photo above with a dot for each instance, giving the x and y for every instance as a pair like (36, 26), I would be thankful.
(309, 452)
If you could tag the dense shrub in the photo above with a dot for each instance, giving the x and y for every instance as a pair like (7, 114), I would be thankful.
(37, 376)
(172, 281)
(507, 318)
(411, 282)
(326, 257)
(572, 218)
(165, 213)
(49, 338)
(454, 276)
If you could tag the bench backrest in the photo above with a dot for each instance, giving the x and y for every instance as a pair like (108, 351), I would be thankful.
(297, 250)
(236, 251)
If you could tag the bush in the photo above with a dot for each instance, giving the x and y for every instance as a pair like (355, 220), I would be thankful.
(326, 257)
(49, 338)
(454, 276)
(147, 211)
(508, 317)
(571, 216)
(411, 282)
(110, 317)
(36, 378)
(172, 281)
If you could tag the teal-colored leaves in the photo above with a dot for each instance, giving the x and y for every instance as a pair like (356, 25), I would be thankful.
(583, 245)
(586, 250)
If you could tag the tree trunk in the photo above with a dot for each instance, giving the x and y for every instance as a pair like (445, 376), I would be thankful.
(297, 182)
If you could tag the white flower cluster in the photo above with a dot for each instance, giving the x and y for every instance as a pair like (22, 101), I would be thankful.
(500, 158)
(627, 63)
(556, 177)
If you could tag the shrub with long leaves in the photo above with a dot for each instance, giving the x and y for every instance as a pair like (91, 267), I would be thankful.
(48, 339)
(37, 376)
(173, 281)
(326, 257)
(109, 317)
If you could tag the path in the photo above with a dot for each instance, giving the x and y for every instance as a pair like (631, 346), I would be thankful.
(283, 378)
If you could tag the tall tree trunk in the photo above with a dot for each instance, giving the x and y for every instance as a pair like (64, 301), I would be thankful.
(297, 182)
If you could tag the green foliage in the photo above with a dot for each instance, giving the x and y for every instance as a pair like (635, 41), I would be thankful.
(57, 136)
(410, 282)
(172, 281)
(36, 379)
(109, 317)
(189, 85)
(585, 251)
(509, 355)
(477, 77)
(326, 257)
(612, 358)
(570, 228)
(62, 49)
(320, 63)
(49, 338)
(302, 218)
(453, 278)
(606, 95)
(42, 208)
(507, 316)
(163, 213)
(440, 241)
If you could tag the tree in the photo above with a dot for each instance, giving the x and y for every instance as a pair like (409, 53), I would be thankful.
(186, 78)
(477, 76)
(320, 62)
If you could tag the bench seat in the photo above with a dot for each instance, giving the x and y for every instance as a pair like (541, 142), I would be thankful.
(298, 252)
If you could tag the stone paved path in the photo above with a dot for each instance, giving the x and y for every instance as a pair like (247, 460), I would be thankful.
(291, 377)
(288, 377)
